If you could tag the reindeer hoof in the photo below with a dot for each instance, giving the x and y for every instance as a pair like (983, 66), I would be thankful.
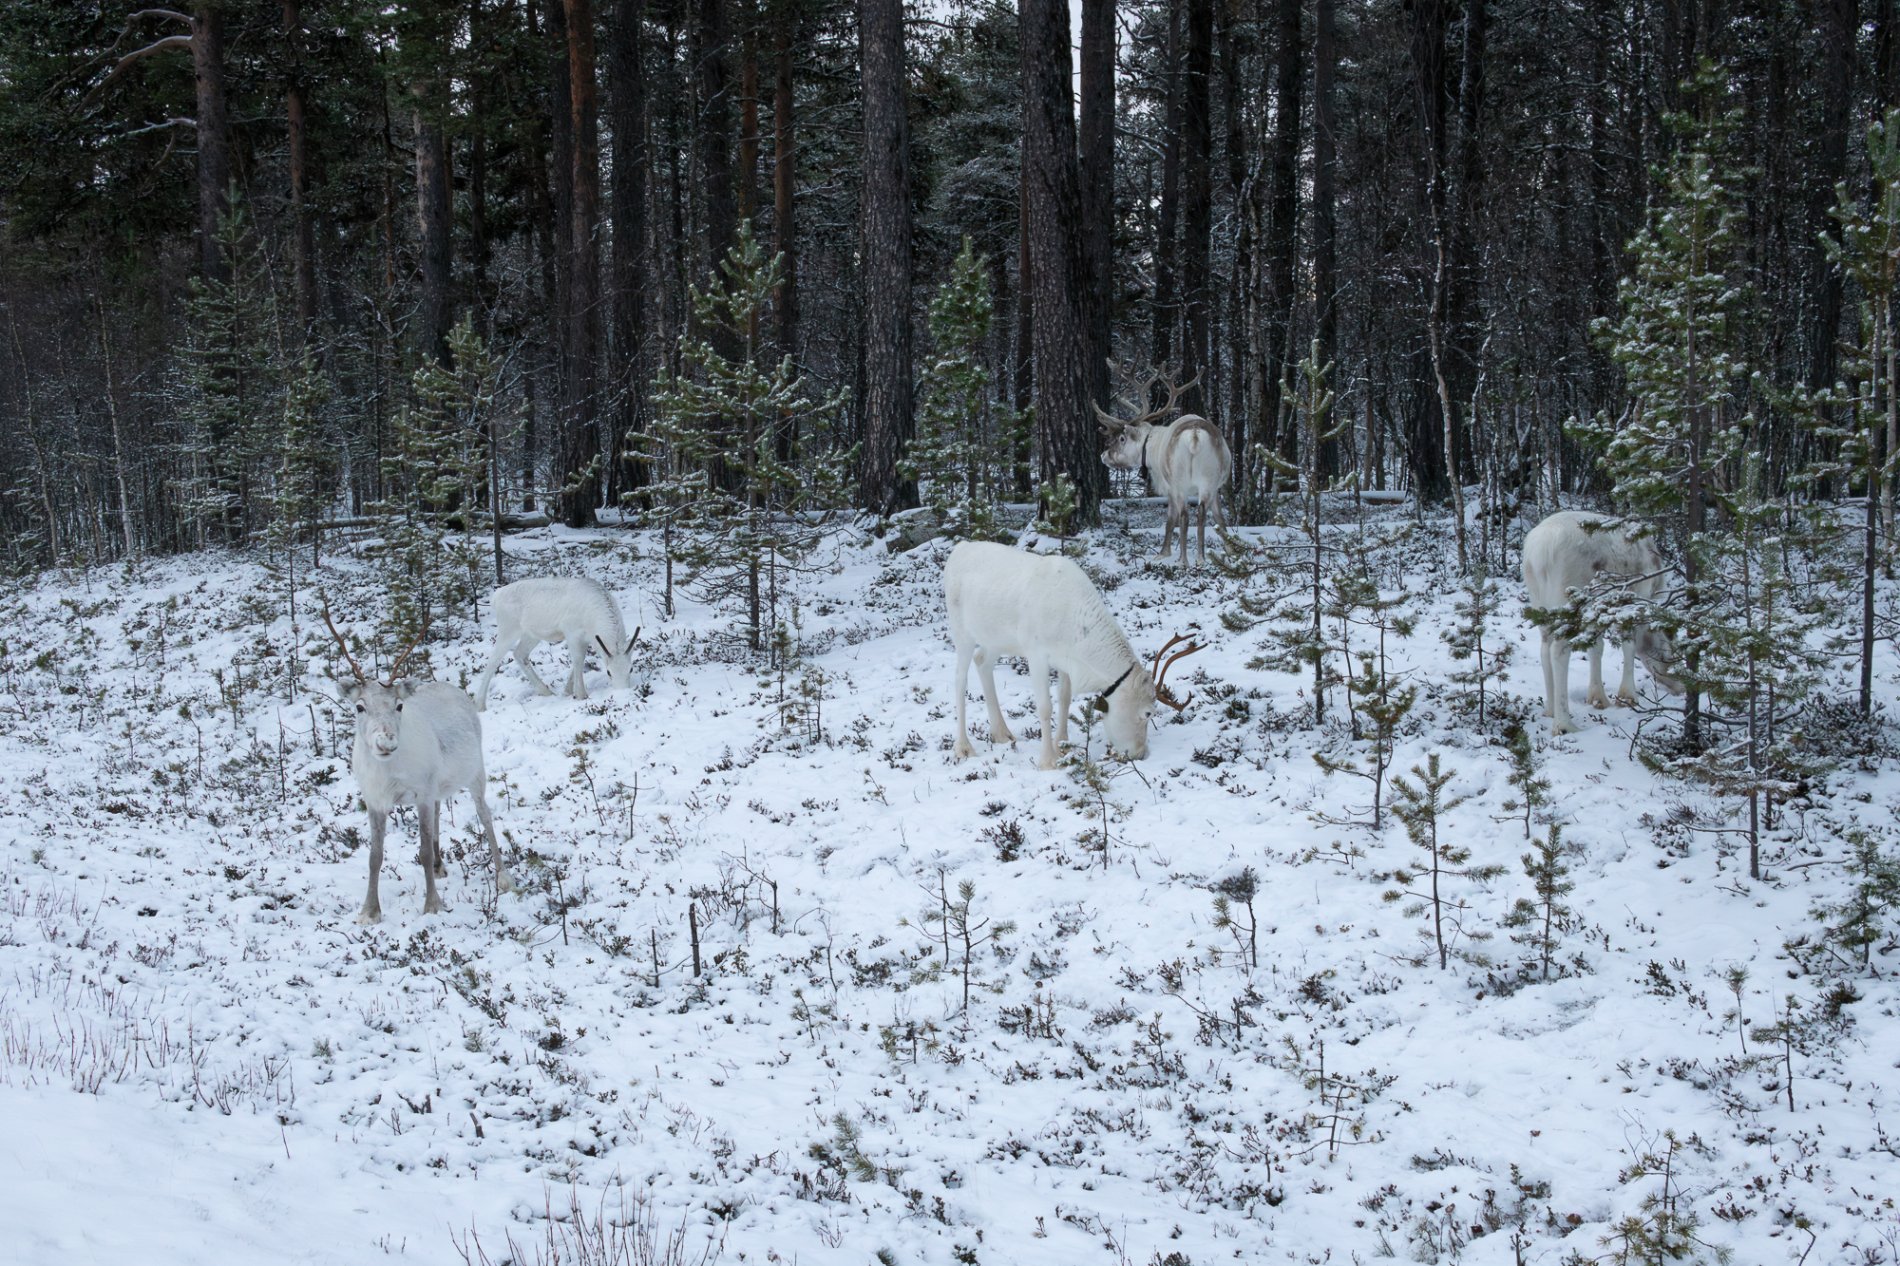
(1625, 699)
(1562, 725)
(368, 916)
(505, 883)
(963, 750)
(433, 906)
(1598, 699)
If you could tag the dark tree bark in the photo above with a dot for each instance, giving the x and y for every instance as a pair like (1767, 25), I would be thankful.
(1098, 186)
(886, 250)
(1325, 204)
(785, 179)
(1234, 49)
(1283, 208)
(303, 247)
(1425, 423)
(1064, 423)
(1197, 203)
(715, 130)
(1840, 23)
(748, 182)
(559, 246)
(1167, 299)
(1023, 381)
(214, 137)
(434, 221)
(627, 91)
(583, 357)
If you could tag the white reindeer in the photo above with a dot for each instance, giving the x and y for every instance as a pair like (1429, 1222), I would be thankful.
(554, 609)
(417, 742)
(1564, 555)
(1188, 458)
(1005, 602)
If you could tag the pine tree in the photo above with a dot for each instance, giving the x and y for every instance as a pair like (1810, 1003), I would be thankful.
(434, 473)
(1538, 921)
(1377, 699)
(1869, 437)
(744, 535)
(1422, 807)
(1475, 608)
(966, 437)
(229, 386)
(1678, 341)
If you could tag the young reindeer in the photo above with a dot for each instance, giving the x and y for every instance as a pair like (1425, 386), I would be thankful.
(1188, 458)
(417, 742)
(1005, 602)
(554, 609)
(1569, 551)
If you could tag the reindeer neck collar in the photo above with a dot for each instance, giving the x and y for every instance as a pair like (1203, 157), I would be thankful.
(1118, 681)
(1145, 441)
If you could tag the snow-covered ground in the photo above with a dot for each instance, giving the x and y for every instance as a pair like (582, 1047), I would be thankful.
(204, 1058)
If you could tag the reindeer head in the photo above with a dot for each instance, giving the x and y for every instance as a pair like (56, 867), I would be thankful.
(1123, 438)
(619, 663)
(1129, 704)
(378, 703)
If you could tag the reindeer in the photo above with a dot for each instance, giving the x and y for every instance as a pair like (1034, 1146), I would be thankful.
(417, 742)
(1188, 459)
(553, 609)
(1564, 555)
(1005, 602)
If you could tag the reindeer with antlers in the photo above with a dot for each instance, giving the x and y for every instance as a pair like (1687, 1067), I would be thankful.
(1188, 457)
(417, 742)
(1044, 608)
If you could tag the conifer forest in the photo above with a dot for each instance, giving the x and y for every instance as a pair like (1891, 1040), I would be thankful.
(767, 364)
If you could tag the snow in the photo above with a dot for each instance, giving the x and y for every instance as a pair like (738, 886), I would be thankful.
(203, 1057)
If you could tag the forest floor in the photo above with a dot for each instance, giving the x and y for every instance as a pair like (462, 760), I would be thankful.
(204, 1057)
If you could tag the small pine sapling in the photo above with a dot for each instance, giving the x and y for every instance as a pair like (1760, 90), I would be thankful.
(1376, 698)
(1422, 808)
(1863, 917)
(1533, 789)
(1539, 921)
(1475, 607)
(964, 932)
(1243, 888)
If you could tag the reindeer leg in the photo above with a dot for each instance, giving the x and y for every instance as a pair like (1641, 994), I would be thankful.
(1039, 682)
(1560, 722)
(986, 669)
(523, 649)
(429, 826)
(1626, 690)
(1201, 509)
(502, 882)
(1596, 696)
(577, 674)
(488, 675)
(372, 911)
(1064, 690)
(963, 747)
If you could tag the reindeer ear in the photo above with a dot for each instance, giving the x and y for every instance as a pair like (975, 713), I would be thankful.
(351, 692)
(406, 688)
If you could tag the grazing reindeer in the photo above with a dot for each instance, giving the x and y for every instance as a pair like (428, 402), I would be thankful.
(1188, 458)
(1005, 602)
(554, 609)
(1567, 552)
(417, 742)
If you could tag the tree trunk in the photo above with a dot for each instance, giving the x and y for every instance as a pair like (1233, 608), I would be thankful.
(627, 91)
(1426, 427)
(1840, 22)
(1283, 222)
(434, 220)
(1197, 203)
(748, 181)
(785, 181)
(583, 384)
(1167, 299)
(303, 248)
(560, 248)
(1325, 210)
(715, 131)
(214, 137)
(1064, 423)
(886, 248)
(1098, 186)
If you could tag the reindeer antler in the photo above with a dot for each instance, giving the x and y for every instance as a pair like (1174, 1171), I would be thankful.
(395, 669)
(341, 644)
(1142, 391)
(1161, 666)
